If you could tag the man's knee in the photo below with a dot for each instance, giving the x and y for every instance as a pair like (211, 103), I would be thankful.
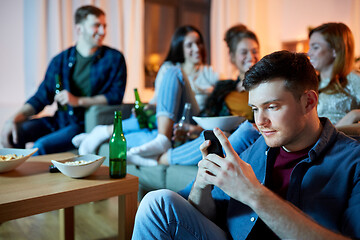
(42, 147)
(157, 201)
(159, 197)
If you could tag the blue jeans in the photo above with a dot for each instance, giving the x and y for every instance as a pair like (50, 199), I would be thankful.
(164, 214)
(189, 153)
(130, 125)
(47, 135)
(140, 137)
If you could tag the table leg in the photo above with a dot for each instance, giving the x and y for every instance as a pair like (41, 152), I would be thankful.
(67, 223)
(126, 215)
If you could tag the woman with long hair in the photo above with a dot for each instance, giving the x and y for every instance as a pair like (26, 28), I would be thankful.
(331, 53)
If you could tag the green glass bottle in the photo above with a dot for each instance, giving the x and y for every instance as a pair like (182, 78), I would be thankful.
(139, 110)
(117, 149)
(183, 126)
(58, 88)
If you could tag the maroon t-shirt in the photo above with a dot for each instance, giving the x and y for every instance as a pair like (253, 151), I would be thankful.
(279, 183)
(283, 166)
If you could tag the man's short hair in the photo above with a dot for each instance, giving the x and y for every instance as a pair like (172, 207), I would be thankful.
(82, 13)
(295, 68)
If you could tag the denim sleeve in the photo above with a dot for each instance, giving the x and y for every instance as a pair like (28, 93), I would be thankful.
(186, 191)
(45, 94)
(350, 220)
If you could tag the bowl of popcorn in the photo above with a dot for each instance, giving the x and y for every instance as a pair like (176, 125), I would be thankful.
(79, 166)
(11, 158)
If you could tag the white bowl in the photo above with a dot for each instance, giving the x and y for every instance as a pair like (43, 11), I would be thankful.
(93, 162)
(225, 123)
(6, 166)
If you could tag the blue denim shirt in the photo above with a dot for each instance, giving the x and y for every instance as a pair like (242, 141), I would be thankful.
(326, 185)
(107, 77)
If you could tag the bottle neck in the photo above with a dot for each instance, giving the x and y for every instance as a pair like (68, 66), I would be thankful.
(58, 82)
(137, 98)
(186, 114)
(118, 125)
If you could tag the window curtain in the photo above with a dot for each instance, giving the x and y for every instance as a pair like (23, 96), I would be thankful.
(49, 29)
(274, 22)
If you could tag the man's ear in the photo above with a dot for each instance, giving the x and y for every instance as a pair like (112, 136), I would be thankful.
(78, 28)
(310, 100)
(232, 58)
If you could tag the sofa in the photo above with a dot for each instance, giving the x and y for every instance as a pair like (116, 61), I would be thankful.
(174, 177)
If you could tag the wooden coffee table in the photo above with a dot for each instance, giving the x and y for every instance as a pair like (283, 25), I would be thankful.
(30, 189)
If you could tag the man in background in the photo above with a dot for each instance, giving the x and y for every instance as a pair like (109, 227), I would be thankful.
(86, 74)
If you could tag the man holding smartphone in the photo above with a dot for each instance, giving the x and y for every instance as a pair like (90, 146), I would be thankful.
(299, 180)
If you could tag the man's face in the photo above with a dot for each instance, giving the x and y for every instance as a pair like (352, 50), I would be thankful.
(278, 115)
(92, 30)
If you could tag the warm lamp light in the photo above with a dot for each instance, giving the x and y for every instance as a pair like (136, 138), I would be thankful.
(152, 65)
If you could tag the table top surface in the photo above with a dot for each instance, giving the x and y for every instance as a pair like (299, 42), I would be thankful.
(32, 183)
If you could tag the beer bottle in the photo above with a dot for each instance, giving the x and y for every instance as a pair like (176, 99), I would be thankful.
(139, 110)
(59, 87)
(183, 126)
(117, 149)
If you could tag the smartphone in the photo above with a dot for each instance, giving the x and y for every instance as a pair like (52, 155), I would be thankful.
(215, 146)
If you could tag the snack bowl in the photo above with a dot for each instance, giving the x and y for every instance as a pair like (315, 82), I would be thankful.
(79, 166)
(225, 123)
(6, 166)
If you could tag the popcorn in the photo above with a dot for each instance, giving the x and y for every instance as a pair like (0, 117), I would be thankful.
(79, 162)
(9, 157)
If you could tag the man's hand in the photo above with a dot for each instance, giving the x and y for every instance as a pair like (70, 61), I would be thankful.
(231, 174)
(65, 97)
(8, 132)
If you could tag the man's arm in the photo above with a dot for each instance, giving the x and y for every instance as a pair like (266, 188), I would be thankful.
(237, 179)
(65, 97)
(200, 195)
(286, 220)
(9, 128)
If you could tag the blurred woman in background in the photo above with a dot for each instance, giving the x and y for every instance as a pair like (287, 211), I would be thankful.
(331, 53)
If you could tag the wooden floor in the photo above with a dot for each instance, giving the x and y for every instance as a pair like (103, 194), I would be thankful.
(96, 220)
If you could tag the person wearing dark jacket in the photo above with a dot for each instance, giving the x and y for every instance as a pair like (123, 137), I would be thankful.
(89, 74)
